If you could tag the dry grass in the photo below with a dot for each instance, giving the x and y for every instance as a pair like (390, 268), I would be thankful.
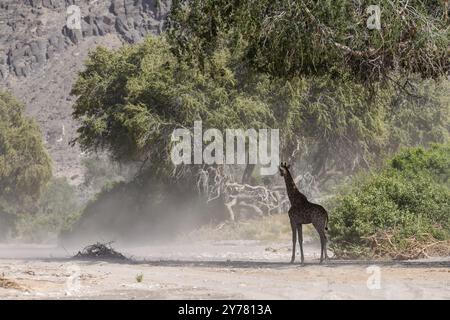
(10, 284)
(272, 228)
(427, 246)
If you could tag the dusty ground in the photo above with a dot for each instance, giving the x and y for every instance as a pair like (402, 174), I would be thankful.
(214, 270)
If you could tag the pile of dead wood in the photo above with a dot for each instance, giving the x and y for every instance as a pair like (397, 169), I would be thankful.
(100, 251)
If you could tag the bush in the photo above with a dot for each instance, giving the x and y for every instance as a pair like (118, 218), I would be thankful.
(401, 211)
(57, 209)
(25, 166)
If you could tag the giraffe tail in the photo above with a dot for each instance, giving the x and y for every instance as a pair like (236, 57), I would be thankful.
(326, 224)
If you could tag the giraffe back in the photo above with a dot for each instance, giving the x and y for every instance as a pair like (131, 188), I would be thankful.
(308, 212)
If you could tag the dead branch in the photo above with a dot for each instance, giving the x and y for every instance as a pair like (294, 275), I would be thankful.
(102, 251)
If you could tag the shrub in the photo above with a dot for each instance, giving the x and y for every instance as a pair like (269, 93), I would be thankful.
(57, 209)
(401, 211)
(25, 166)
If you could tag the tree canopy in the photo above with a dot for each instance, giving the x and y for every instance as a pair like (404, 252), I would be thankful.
(25, 166)
(317, 37)
(302, 66)
(343, 96)
(130, 100)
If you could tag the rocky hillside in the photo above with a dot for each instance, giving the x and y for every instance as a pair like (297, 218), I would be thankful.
(42, 48)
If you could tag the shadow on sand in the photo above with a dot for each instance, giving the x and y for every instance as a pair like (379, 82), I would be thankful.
(441, 263)
(272, 264)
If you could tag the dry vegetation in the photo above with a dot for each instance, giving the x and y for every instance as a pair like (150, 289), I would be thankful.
(271, 228)
(399, 212)
(10, 284)
(100, 251)
(414, 247)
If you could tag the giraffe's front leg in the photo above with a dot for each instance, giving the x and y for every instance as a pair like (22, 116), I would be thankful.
(300, 241)
(294, 240)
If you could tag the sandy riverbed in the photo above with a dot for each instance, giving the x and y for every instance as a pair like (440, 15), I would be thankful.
(215, 270)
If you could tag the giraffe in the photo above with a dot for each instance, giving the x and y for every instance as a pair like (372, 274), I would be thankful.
(304, 212)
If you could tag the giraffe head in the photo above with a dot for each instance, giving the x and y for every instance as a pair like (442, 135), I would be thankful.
(284, 167)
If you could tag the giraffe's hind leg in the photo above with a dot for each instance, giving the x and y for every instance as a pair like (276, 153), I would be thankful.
(320, 227)
(323, 246)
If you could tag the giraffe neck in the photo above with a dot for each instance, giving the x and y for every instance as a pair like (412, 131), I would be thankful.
(293, 193)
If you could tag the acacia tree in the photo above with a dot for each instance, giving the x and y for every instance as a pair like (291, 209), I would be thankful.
(295, 65)
(25, 166)
(317, 37)
(310, 68)
(329, 45)
(130, 101)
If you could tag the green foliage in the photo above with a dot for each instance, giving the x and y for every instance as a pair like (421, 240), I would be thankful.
(129, 101)
(311, 37)
(25, 166)
(421, 119)
(99, 171)
(339, 125)
(56, 210)
(346, 130)
(409, 197)
(255, 64)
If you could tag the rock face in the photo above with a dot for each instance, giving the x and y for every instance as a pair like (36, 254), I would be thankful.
(43, 44)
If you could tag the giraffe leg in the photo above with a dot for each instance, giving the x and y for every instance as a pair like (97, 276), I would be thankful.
(294, 240)
(323, 245)
(323, 239)
(300, 241)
